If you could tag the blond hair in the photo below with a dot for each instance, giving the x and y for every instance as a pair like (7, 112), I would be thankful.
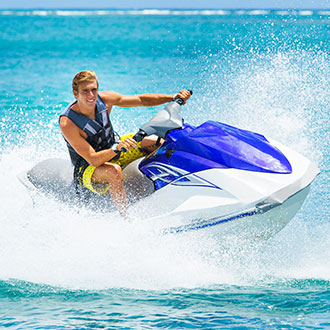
(83, 76)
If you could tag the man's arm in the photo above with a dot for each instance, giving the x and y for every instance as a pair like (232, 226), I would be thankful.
(113, 98)
(72, 134)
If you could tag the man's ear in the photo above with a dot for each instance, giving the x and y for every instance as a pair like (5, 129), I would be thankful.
(75, 93)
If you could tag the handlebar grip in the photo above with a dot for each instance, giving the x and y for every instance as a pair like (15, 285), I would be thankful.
(140, 135)
(180, 101)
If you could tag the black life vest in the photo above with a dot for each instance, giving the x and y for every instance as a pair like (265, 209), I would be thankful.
(100, 133)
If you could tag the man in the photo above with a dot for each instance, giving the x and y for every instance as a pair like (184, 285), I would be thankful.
(95, 148)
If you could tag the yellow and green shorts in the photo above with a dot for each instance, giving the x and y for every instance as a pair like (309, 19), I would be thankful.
(85, 172)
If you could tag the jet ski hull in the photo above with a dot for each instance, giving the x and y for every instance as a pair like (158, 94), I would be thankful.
(207, 208)
(253, 224)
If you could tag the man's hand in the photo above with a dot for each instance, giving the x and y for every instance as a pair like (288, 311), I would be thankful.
(183, 94)
(127, 144)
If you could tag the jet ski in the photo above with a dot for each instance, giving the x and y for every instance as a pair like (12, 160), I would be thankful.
(214, 178)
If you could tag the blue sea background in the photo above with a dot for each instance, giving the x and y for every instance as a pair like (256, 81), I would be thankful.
(62, 268)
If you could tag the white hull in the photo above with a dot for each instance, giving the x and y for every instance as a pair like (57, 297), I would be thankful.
(252, 224)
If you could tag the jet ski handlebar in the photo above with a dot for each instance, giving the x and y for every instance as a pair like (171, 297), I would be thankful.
(180, 100)
(165, 120)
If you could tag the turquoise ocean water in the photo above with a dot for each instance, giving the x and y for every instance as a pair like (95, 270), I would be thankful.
(62, 268)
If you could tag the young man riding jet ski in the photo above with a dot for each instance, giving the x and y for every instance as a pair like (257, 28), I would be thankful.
(95, 148)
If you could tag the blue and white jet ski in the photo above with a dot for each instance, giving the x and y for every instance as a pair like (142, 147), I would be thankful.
(214, 177)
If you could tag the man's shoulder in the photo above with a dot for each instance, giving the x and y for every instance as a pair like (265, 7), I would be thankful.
(66, 111)
(66, 122)
(110, 97)
(68, 125)
(69, 129)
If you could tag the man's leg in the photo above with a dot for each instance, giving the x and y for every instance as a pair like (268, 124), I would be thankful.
(112, 174)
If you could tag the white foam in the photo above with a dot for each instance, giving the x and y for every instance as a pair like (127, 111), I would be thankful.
(135, 12)
(39, 13)
(185, 12)
(6, 12)
(258, 12)
(324, 12)
(155, 12)
(73, 13)
(214, 12)
(305, 12)
(44, 241)
(283, 12)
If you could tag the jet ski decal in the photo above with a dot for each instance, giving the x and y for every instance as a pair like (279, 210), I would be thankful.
(163, 175)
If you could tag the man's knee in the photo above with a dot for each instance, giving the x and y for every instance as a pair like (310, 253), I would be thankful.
(113, 171)
(108, 173)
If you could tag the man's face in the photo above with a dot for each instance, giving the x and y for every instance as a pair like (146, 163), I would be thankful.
(87, 93)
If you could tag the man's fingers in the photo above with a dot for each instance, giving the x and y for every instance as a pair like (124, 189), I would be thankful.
(183, 94)
(131, 142)
(128, 143)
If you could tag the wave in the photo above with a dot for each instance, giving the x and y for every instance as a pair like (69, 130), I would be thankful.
(160, 12)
